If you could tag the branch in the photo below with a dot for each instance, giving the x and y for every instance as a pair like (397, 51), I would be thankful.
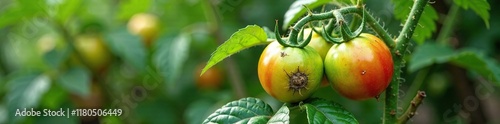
(345, 10)
(411, 22)
(411, 110)
(392, 92)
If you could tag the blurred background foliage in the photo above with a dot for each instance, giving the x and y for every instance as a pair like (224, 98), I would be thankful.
(43, 64)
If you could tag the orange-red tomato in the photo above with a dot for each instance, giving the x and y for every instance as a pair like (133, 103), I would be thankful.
(361, 68)
(211, 79)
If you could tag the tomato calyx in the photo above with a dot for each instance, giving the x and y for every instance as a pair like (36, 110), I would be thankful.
(297, 81)
(294, 41)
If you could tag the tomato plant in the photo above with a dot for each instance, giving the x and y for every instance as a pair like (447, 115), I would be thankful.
(360, 68)
(290, 74)
(143, 57)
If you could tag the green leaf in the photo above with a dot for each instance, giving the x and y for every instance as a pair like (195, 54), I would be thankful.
(323, 111)
(76, 80)
(297, 10)
(67, 9)
(128, 47)
(55, 97)
(54, 58)
(246, 110)
(172, 55)
(428, 54)
(471, 60)
(247, 37)
(270, 33)
(426, 25)
(481, 7)
(130, 7)
(282, 116)
(26, 91)
(147, 112)
(20, 10)
(197, 111)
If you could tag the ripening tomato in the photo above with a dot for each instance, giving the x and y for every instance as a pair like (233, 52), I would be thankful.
(93, 51)
(211, 79)
(290, 74)
(145, 25)
(319, 44)
(361, 68)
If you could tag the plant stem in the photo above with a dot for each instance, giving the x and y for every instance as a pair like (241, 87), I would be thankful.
(392, 92)
(411, 22)
(415, 85)
(411, 110)
(398, 47)
(448, 24)
(345, 10)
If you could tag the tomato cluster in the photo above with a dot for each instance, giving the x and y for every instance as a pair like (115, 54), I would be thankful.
(358, 69)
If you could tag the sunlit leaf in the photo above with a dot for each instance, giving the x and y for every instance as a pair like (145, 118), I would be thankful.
(247, 37)
(320, 111)
(427, 23)
(19, 10)
(130, 7)
(26, 91)
(67, 9)
(245, 110)
(76, 80)
(481, 7)
(297, 10)
(282, 116)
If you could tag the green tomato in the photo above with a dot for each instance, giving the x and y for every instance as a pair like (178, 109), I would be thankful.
(290, 74)
(319, 44)
(94, 52)
(361, 68)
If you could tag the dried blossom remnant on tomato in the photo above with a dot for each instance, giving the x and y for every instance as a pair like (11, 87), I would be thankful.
(297, 81)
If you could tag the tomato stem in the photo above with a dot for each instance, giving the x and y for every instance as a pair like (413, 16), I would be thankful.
(330, 15)
(411, 110)
(398, 52)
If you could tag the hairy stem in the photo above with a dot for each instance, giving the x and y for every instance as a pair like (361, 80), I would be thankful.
(392, 92)
(420, 78)
(411, 110)
(370, 20)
